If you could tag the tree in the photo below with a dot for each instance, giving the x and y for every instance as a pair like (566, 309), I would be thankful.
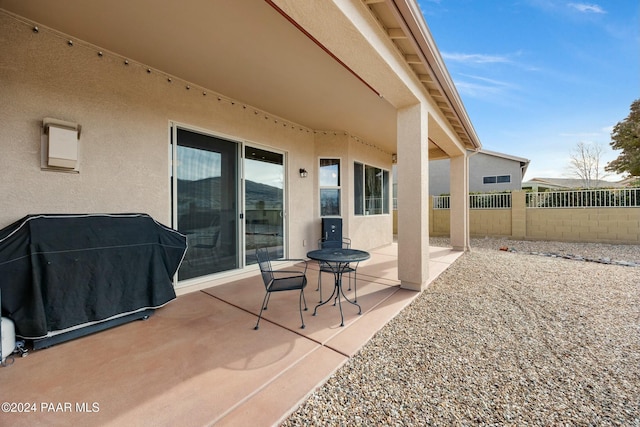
(626, 137)
(585, 163)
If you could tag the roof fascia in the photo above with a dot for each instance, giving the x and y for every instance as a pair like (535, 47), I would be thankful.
(412, 19)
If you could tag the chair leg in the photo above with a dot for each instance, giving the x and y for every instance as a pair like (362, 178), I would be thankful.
(300, 305)
(320, 284)
(355, 285)
(262, 307)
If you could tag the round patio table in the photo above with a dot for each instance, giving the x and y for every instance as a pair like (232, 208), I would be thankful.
(338, 259)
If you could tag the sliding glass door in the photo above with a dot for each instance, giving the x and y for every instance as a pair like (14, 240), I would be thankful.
(225, 213)
(206, 202)
(264, 202)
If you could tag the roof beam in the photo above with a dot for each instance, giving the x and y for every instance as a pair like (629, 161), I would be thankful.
(396, 33)
(413, 59)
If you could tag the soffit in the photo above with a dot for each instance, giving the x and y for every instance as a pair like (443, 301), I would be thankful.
(243, 49)
(405, 26)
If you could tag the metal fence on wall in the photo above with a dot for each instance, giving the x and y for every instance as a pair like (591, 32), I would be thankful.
(600, 198)
(477, 201)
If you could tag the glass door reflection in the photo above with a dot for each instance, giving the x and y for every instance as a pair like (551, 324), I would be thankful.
(206, 203)
(264, 202)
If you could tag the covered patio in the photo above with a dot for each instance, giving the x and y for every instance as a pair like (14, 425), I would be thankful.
(198, 361)
(359, 83)
(368, 91)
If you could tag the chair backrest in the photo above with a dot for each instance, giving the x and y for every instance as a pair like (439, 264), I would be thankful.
(265, 266)
(324, 244)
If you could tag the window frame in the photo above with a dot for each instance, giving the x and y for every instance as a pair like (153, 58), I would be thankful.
(330, 188)
(360, 190)
(495, 179)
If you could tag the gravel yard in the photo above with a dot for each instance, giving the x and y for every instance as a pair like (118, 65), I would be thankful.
(501, 338)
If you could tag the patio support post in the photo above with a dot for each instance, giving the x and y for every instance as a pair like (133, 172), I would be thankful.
(413, 198)
(459, 208)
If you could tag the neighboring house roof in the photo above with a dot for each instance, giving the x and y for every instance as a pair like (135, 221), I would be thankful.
(566, 183)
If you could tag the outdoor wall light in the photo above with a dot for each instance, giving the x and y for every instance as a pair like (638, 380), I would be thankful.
(303, 173)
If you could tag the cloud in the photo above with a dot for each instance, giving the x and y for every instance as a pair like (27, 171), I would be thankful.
(491, 82)
(555, 6)
(475, 58)
(482, 87)
(476, 90)
(587, 8)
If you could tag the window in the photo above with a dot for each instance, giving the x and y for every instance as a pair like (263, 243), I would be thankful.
(329, 187)
(489, 180)
(371, 190)
(499, 179)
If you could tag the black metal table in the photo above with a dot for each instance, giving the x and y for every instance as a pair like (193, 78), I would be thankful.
(338, 259)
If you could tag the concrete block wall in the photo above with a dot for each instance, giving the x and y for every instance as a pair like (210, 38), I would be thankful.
(606, 225)
(490, 222)
(598, 225)
(439, 220)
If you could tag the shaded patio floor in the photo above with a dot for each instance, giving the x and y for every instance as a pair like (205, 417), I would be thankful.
(198, 361)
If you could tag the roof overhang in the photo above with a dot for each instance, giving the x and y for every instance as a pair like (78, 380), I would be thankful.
(255, 53)
(405, 24)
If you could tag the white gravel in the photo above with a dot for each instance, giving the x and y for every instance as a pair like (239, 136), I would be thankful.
(501, 338)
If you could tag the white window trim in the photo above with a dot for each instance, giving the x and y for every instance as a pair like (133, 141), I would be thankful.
(325, 187)
(389, 190)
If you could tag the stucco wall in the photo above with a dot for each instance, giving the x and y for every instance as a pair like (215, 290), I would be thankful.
(439, 177)
(364, 231)
(125, 113)
(480, 165)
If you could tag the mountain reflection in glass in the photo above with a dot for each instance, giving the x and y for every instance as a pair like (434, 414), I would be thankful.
(264, 201)
(207, 208)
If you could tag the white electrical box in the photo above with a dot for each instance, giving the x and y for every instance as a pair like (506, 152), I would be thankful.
(60, 145)
(63, 148)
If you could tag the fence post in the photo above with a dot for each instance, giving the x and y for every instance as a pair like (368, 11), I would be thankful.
(431, 220)
(518, 215)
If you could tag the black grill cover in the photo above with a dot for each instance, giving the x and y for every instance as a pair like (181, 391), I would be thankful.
(58, 272)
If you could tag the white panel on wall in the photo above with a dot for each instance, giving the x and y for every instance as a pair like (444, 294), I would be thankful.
(63, 148)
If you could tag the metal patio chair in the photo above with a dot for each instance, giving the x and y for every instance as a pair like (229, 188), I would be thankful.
(281, 280)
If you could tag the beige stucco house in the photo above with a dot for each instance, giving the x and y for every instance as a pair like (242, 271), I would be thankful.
(239, 123)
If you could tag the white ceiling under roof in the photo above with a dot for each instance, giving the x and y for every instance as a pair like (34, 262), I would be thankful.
(242, 49)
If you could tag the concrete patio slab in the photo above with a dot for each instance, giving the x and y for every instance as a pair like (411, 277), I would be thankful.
(198, 361)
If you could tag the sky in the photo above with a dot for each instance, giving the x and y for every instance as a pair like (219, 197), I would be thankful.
(539, 76)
